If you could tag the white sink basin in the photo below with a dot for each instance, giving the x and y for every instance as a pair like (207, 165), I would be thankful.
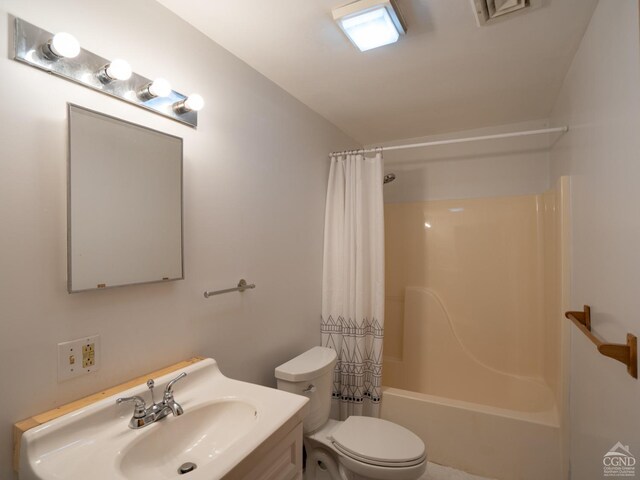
(200, 437)
(224, 420)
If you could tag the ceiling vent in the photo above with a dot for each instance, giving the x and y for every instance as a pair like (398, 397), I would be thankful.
(489, 10)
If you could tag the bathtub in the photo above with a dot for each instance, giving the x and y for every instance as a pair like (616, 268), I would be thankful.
(471, 415)
(493, 442)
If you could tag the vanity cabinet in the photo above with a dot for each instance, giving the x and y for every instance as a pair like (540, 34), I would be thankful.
(230, 430)
(280, 459)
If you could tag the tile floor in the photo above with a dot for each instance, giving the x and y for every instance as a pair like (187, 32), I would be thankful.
(434, 472)
(438, 472)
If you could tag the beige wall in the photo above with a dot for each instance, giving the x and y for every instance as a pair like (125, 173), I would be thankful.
(254, 180)
(600, 100)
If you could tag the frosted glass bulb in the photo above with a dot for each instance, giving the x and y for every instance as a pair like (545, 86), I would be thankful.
(160, 88)
(118, 69)
(194, 102)
(64, 45)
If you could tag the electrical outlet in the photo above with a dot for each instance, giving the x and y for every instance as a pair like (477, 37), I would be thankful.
(88, 355)
(78, 357)
(88, 360)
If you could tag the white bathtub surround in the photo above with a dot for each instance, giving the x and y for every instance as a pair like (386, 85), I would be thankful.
(353, 282)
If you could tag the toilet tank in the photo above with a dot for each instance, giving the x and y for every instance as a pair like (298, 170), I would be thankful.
(310, 374)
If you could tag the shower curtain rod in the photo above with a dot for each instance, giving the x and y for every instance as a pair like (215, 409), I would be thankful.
(458, 140)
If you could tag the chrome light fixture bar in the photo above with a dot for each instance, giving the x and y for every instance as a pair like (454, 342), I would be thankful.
(61, 55)
(370, 23)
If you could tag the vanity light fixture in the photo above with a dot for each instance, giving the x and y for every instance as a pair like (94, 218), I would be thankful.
(118, 69)
(370, 23)
(193, 103)
(61, 45)
(158, 88)
(60, 54)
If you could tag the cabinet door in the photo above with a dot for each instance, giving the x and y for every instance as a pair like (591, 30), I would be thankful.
(283, 462)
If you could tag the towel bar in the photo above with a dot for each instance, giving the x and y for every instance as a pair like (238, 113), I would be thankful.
(627, 354)
(242, 286)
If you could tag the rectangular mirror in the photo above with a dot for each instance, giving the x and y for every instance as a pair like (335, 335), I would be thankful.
(124, 203)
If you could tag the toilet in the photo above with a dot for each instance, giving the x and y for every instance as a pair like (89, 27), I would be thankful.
(358, 448)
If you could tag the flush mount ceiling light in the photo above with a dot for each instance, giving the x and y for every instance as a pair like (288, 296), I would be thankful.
(62, 45)
(370, 23)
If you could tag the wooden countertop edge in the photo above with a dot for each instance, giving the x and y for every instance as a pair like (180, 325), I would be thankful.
(19, 428)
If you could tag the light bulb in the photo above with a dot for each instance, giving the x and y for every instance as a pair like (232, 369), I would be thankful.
(62, 45)
(118, 69)
(194, 102)
(159, 88)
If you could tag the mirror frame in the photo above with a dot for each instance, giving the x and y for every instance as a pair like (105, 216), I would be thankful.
(71, 106)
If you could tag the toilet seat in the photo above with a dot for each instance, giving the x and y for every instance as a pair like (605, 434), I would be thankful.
(378, 442)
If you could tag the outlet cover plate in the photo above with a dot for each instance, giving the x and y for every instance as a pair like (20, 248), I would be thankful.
(70, 357)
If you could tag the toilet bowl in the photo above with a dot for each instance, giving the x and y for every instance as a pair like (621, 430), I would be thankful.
(354, 449)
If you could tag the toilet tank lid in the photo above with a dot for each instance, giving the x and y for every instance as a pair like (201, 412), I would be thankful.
(310, 364)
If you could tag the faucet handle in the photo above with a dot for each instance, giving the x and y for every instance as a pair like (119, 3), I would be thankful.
(168, 391)
(140, 407)
(151, 384)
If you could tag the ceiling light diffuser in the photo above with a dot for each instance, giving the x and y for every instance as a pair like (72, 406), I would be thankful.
(370, 23)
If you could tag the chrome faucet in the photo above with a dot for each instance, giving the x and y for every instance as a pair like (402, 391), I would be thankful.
(143, 416)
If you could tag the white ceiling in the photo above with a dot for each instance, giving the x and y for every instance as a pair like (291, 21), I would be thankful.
(445, 75)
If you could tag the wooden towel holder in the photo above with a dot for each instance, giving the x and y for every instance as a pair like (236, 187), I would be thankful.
(627, 354)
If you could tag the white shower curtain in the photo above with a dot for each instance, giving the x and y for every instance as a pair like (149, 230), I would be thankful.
(353, 282)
